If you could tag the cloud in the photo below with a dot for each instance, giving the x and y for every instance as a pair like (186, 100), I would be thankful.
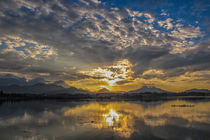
(164, 13)
(190, 32)
(166, 24)
(106, 76)
(63, 38)
(26, 48)
(96, 1)
(152, 73)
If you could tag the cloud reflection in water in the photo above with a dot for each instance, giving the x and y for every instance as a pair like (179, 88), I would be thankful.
(93, 120)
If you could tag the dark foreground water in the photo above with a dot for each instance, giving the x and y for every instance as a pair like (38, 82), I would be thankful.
(49, 120)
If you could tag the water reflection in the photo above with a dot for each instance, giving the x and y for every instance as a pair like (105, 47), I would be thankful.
(120, 117)
(112, 117)
(111, 120)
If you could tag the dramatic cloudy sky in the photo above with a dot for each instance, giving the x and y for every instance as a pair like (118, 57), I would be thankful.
(119, 45)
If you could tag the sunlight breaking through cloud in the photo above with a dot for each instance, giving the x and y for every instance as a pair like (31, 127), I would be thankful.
(111, 74)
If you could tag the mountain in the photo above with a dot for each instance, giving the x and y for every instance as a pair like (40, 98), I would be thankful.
(35, 81)
(61, 83)
(9, 79)
(145, 89)
(40, 88)
(197, 91)
(103, 90)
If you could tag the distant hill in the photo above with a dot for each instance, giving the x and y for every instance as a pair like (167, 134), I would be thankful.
(145, 89)
(61, 83)
(103, 90)
(198, 91)
(9, 79)
(40, 88)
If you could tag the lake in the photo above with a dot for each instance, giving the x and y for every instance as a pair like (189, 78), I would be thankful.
(86, 120)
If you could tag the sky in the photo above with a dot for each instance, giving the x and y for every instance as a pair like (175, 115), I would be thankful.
(118, 45)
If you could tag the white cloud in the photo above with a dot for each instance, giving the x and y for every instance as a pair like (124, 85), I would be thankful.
(166, 24)
(190, 32)
(135, 13)
(96, 1)
(150, 17)
(31, 49)
(164, 13)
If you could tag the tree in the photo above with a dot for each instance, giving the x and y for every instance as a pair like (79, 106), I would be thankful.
(1, 92)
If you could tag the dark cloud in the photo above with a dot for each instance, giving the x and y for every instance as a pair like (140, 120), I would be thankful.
(197, 56)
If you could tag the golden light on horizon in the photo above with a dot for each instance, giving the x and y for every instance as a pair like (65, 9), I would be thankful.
(107, 76)
(119, 78)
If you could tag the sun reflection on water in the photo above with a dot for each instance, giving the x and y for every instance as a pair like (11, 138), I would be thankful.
(104, 116)
(112, 117)
(94, 120)
(121, 118)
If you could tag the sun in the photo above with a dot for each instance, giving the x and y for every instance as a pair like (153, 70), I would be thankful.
(112, 74)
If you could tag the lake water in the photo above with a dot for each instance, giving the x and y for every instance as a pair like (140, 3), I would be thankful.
(49, 120)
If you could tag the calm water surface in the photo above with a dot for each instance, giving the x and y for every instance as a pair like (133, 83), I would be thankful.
(49, 120)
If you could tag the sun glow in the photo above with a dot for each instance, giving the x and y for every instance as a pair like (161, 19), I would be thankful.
(119, 77)
(112, 74)
(112, 117)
